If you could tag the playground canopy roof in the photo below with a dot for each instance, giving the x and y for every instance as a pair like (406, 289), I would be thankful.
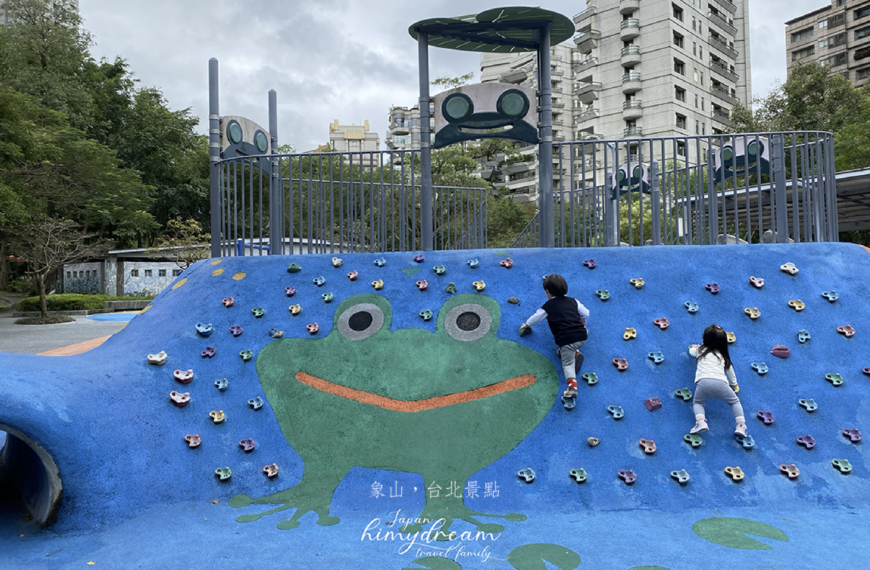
(506, 30)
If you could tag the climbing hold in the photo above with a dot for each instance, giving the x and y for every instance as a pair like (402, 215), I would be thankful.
(158, 359)
(569, 401)
(222, 384)
(788, 268)
(224, 473)
(616, 412)
(527, 474)
(797, 305)
(336, 262)
(603, 294)
(256, 403)
(207, 352)
(648, 446)
(353, 275)
(621, 364)
(656, 357)
(803, 336)
(246, 355)
(419, 258)
(760, 367)
(593, 441)
(236, 330)
(258, 312)
(228, 302)
(652, 404)
(204, 330)
(591, 378)
(525, 331)
(275, 333)
(809, 405)
(638, 283)
(378, 285)
(732, 338)
(192, 440)
(507, 263)
(627, 476)
(426, 315)
(684, 393)
(183, 376)
(767, 417)
(479, 285)
(736, 473)
(835, 379)
(422, 285)
(780, 351)
(473, 263)
(247, 445)
(866, 370)
(712, 287)
(380, 262)
(853, 435)
(745, 440)
(756, 282)
(790, 470)
(590, 263)
(513, 301)
(831, 296)
(327, 297)
(579, 475)
(662, 323)
(629, 334)
(681, 476)
(450, 289)
(295, 309)
(313, 328)
(807, 441)
(753, 313)
(289, 291)
(847, 330)
(440, 270)
(217, 417)
(271, 471)
(319, 281)
(842, 465)
(179, 399)
(293, 268)
(693, 440)
(691, 307)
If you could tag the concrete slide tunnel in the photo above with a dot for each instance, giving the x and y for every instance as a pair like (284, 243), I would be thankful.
(26, 468)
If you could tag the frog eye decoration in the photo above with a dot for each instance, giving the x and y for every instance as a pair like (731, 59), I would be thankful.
(360, 321)
(468, 322)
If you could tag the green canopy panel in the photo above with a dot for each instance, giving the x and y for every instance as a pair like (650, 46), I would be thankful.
(504, 30)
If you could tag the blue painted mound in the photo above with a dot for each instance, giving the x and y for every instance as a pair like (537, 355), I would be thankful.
(106, 418)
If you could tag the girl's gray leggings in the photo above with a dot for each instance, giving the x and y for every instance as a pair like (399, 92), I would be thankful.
(707, 388)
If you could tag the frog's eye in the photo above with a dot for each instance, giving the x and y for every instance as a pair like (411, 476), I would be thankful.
(468, 322)
(360, 321)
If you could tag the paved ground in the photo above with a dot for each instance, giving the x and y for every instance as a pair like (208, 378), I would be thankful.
(34, 339)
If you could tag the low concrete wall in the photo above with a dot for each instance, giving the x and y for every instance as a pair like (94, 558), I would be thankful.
(126, 305)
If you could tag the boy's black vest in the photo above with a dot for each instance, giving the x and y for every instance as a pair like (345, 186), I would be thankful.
(565, 321)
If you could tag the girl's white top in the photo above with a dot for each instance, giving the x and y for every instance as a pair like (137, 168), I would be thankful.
(712, 366)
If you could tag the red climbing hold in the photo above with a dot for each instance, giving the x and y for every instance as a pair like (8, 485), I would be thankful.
(653, 404)
(780, 351)
(662, 323)
(621, 364)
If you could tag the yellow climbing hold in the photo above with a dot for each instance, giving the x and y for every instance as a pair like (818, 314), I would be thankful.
(479, 285)
(630, 333)
(217, 272)
(216, 261)
(239, 276)
(180, 283)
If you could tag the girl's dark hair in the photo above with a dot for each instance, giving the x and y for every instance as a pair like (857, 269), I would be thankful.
(556, 285)
(715, 340)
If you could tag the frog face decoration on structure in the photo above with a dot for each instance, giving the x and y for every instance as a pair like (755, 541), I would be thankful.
(449, 404)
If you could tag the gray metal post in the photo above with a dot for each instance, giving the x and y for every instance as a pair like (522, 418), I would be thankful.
(425, 150)
(610, 211)
(779, 208)
(545, 147)
(656, 203)
(831, 189)
(276, 187)
(712, 202)
(214, 155)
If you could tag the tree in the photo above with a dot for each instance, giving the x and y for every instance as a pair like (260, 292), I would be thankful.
(453, 82)
(184, 241)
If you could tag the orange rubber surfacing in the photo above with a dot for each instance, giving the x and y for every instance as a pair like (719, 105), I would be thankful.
(416, 405)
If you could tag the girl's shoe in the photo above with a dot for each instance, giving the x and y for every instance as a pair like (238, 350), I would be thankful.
(701, 427)
(570, 393)
(740, 430)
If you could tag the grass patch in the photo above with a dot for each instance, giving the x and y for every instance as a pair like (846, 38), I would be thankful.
(73, 302)
(49, 320)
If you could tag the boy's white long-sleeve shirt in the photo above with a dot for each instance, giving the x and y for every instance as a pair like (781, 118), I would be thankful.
(541, 314)
(712, 366)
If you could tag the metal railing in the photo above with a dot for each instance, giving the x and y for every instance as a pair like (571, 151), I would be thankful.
(630, 50)
(724, 93)
(723, 70)
(746, 188)
(722, 23)
(723, 46)
(728, 5)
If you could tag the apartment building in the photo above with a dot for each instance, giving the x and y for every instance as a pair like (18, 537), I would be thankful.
(404, 129)
(837, 35)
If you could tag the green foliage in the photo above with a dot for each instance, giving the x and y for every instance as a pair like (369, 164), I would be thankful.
(505, 220)
(184, 241)
(73, 302)
(453, 82)
(47, 320)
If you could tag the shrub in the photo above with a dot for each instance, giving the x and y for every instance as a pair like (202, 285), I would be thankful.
(49, 320)
(73, 302)
(22, 287)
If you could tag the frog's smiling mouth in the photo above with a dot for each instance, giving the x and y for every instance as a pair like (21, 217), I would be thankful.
(416, 405)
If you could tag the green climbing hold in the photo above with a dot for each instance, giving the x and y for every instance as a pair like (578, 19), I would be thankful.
(525, 331)
(440, 270)
(451, 288)
(731, 532)
(835, 379)
(684, 393)
(533, 556)
(246, 355)
(293, 268)
(258, 312)
(603, 294)
(579, 475)
(693, 440)
(590, 378)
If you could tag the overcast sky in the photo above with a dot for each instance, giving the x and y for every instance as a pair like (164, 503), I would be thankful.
(327, 59)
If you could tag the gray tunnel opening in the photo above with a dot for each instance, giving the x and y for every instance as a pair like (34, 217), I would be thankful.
(27, 469)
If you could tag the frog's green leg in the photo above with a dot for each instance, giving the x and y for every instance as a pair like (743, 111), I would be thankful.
(312, 493)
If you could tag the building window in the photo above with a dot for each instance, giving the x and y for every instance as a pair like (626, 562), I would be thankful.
(694, 48)
(678, 40)
(845, 74)
(176, 272)
(823, 25)
(862, 13)
(694, 24)
(681, 121)
(696, 74)
(834, 60)
(68, 275)
(696, 100)
(680, 94)
(678, 12)
(161, 273)
(703, 128)
(862, 33)
(679, 66)
(862, 53)
(701, 50)
(697, 127)
(837, 20)
(803, 53)
(801, 35)
(702, 78)
(862, 74)
(681, 148)
(702, 103)
(134, 273)
(147, 273)
(75, 274)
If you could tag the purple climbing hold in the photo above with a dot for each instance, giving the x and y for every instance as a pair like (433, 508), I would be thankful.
(713, 287)
(780, 351)
(247, 445)
(628, 476)
(766, 417)
(807, 441)
(289, 291)
(853, 435)
(866, 370)
(236, 330)
(590, 263)
(419, 258)
(208, 352)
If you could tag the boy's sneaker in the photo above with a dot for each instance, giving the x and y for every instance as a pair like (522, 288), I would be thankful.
(701, 427)
(740, 430)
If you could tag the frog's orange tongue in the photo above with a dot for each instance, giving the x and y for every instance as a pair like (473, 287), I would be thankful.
(416, 405)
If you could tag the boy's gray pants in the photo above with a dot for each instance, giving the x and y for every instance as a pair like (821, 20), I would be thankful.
(567, 354)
